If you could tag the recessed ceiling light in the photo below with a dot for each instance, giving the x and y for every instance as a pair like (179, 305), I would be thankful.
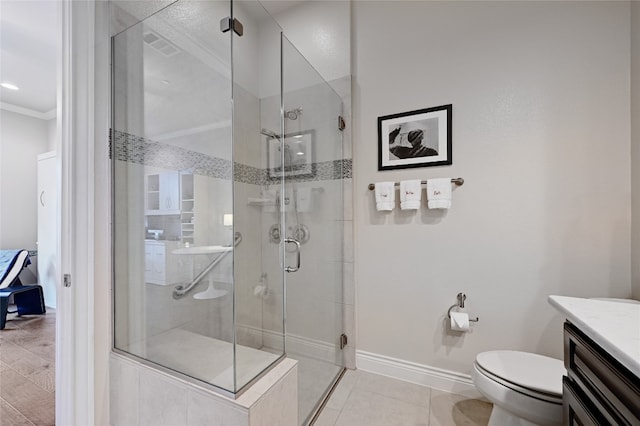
(9, 86)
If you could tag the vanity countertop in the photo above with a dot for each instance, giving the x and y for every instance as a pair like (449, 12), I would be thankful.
(614, 326)
(202, 250)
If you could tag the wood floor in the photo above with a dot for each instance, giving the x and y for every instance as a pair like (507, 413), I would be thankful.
(27, 370)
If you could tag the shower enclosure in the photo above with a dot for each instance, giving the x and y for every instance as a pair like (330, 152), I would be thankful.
(227, 200)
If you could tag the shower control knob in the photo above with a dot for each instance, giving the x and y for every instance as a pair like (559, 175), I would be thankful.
(274, 233)
(302, 233)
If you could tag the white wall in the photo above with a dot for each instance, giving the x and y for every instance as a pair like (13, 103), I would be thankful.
(52, 137)
(319, 30)
(22, 138)
(540, 95)
(635, 146)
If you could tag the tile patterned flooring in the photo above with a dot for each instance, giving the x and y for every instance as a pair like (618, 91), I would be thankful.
(27, 370)
(367, 399)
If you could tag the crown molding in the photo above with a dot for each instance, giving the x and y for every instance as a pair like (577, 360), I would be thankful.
(29, 112)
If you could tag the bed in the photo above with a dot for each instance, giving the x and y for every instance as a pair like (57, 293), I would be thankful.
(29, 299)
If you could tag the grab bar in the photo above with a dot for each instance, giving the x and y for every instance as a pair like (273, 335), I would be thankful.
(180, 290)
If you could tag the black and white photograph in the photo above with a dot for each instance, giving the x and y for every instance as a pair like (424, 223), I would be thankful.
(418, 138)
(298, 154)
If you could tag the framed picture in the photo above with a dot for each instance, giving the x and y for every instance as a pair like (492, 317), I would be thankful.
(419, 138)
(298, 154)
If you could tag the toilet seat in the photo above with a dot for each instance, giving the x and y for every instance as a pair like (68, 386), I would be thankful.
(551, 398)
(519, 397)
(534, 375)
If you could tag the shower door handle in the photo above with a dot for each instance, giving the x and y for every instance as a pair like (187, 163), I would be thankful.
(297, 243)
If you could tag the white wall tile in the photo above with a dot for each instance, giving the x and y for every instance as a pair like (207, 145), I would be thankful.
(348, 241)
(204, 410)
(348, 284)
(123, 392)
(280, 406)
(347, 191)
(162, 401)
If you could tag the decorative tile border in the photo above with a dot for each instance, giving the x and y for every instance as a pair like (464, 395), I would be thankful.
(138, 150)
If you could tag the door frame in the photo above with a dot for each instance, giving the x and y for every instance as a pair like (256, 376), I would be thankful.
(82, 328)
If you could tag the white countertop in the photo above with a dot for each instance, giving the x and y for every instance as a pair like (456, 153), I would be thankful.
(202, 250)
(613, 325)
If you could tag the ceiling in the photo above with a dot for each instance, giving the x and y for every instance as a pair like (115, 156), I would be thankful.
(28, 54)
(28, 34)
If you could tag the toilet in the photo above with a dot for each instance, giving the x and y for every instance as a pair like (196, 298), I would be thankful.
(525, 388)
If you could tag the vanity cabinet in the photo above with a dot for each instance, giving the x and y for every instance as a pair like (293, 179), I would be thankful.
(161, 267)
(598, 389)
(162, 194)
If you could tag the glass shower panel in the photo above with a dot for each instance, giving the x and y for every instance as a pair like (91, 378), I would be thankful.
(173, 189)
(259, 305)
(313, 195)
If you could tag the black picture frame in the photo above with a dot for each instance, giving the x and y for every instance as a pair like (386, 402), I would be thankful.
(420, 138)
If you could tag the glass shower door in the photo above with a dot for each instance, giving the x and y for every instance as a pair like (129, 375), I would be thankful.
(259, 296)
(186, 163)
(313, 218)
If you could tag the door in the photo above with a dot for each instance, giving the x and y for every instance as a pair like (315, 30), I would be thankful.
(47, 213)
(313, 228)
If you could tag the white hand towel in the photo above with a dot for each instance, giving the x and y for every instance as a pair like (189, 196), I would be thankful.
(410, 194)
(385, 196)
(439, 193)
(304, 198)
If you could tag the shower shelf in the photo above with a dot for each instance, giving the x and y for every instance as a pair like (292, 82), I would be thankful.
(260, 202)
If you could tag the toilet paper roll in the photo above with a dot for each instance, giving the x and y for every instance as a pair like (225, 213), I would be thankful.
(459, 321)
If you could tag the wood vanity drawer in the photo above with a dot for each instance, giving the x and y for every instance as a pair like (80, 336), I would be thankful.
(609, 386)
(576, 406)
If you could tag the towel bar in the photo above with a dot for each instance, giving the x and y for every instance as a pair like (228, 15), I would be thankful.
(457, 181)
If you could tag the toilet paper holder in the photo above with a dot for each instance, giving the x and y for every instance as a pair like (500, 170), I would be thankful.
(461, 298)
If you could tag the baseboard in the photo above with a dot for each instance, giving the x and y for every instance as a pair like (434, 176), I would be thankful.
(296, 345)
(316, 349)
(436, 378)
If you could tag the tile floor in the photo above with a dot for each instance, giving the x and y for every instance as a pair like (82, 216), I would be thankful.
(368, 399)
(27, 359)
(27, 374)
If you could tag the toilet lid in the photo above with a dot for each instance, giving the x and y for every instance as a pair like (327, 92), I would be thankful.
(532, 371)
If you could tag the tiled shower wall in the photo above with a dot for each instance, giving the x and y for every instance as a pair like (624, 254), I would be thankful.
(141, 395)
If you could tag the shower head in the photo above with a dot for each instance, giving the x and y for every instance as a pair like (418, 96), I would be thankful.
(293, 114)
